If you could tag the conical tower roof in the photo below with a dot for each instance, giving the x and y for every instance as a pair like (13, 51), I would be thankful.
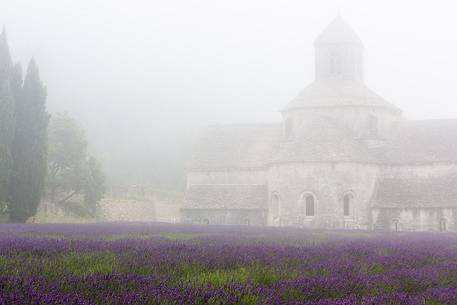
(338, 31)
(346, 88)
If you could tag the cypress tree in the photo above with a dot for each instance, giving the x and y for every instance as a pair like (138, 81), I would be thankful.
(6, 117)
(29, 149)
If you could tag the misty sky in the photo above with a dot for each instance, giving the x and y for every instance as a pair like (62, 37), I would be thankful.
(135, 72)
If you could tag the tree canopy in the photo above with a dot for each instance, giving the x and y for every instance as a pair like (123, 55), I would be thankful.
(71, 172)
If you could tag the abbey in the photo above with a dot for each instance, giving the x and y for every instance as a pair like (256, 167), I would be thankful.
(343, 157)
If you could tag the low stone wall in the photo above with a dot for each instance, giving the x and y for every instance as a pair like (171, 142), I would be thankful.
(126, 210)
(155, 209)
(415, 219)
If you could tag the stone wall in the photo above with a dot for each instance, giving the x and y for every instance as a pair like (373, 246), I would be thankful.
(356, 118)
(415, 219)
(328, 183)
(238, 176)
(156, 208)
(424, 170)
(420, 218)
(224, 216)
(126, 210)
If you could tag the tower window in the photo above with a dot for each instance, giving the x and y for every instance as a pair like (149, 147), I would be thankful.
(288, 128)
(335, 63)
(373, 125)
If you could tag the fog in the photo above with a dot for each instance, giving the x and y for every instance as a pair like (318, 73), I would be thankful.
(143, 76)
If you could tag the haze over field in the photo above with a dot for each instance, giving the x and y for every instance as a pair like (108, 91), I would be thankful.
(228, 152)
(142, 76)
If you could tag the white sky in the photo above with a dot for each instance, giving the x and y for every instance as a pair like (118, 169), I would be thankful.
(142, 67)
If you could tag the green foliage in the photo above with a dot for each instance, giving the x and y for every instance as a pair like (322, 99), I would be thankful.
(23, 124)
(94, 185)
(66, 157)
(29, 148)
(71, 173)
(219, 277)
(293, 295)
(257, 273)
(6, 118)
(24, 150)
(250, 299)
(375, 269)
(180, 235)
(88, 263)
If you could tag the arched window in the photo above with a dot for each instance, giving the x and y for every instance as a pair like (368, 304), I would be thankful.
(443, 226)
(288, 128)
(206, 221)
(347, 200)
(373, 125)
(308, 205)
(275, 208)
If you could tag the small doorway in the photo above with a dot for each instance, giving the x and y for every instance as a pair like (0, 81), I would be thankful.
(396, 225)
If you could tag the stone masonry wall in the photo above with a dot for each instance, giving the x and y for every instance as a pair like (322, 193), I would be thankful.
(328, 182)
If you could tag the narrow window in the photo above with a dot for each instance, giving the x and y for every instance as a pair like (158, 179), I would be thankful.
(347, 204)
(373, 125)
(335, 63)
(443, 225)
(276, 208)
(309, 208)
(288, 128)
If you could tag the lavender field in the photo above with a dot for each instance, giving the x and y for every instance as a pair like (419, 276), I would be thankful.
(178, 264)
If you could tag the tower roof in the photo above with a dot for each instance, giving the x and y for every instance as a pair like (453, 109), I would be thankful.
(321, 94)
(338, 31)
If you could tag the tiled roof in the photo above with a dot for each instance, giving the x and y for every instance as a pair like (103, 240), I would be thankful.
(402, 192)
(338, 93)
(338, 31)
(235, 146)
(223, 196)
(321, 140)
(421, 141)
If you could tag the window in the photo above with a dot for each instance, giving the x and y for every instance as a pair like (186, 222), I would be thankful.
(288, 128)
(443, 225)
(308, 201)
(347, 199)
(206, 221)
(396, 225)
(373, 125)
(335, 63)
(275, 207)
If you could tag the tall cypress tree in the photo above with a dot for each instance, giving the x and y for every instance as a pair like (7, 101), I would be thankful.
(6, 116)
(29, 149)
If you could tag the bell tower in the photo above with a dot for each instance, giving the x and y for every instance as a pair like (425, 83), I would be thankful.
(338, 53)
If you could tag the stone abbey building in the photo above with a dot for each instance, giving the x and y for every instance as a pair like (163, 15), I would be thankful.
(343, 157)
